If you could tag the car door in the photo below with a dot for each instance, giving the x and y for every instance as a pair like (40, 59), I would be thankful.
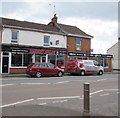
(51, 69)
(43, 68)
(96, 66)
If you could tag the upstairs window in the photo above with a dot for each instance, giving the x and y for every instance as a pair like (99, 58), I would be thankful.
(46, 40)
(14, 37)
(78, 44)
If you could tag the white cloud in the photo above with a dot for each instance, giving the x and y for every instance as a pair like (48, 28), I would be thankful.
(31, 9)
(104, 32)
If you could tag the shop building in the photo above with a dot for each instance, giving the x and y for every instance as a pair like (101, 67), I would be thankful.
(27, 42)
(79, 45)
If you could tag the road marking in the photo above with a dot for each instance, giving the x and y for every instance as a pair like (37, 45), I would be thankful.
(7, 85)
(111, 89)
(96, 92)
(50, 98)
(23, 84)
(101, 80)
(60, 101)
(43, 103)
(105, 94)
(61, 82)
(12, 104)
(33, 83)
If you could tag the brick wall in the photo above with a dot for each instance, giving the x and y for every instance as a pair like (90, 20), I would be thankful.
(17, 70)
(71, 45)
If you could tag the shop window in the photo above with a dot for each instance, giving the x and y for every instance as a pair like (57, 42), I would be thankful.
(16, 59)
(27, 59)
(21, 60)
(46, 40)
(78, 44)
(37, 58)
(60, 59)
(102, 61)
(52, 59)
(105, 62)
(14, 37)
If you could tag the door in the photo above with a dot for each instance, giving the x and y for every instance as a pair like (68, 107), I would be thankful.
(5, 64)
(43, 59)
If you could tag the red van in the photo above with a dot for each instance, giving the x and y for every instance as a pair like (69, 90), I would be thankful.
(44, 69)
(83, 67)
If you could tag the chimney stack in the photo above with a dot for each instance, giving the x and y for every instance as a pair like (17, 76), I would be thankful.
(54, 19)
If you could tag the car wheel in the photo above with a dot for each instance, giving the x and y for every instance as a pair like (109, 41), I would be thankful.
(100, 72)
(82, 73)
(38, 74)
(60, 74)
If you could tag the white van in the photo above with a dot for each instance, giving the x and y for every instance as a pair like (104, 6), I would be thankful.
(83, 67)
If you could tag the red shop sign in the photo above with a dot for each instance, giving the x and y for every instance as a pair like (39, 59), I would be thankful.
(42, 51)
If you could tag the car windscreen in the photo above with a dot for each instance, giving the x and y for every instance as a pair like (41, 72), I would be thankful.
(30, 65)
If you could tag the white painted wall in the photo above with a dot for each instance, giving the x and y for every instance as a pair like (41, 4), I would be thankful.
(114, 51)
(33, 38)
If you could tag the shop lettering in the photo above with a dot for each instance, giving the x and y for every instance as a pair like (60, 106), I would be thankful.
(42, 51)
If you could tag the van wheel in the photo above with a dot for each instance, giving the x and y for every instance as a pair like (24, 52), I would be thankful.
(60, 74)
(100, 72)
(82, 73)
(38, 74)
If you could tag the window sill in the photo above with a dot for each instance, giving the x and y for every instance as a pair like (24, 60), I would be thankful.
(18, 67)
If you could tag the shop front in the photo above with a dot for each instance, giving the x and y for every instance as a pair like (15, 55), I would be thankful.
(103, 59)
(16, 59)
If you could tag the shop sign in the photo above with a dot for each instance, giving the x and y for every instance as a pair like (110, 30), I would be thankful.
(19, 50)
(62, 53)
(89, 55)
(76, 54)
(107, 56)
(42, 51)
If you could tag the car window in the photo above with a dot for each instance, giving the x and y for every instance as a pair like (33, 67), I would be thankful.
(31, 65)
(37, 65)
(51, 65)
(43, 65)
(95, 63)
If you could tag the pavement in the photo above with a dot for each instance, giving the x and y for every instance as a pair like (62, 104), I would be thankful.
(25, 75)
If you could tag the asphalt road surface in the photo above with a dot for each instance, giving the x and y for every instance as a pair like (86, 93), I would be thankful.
(59, 96)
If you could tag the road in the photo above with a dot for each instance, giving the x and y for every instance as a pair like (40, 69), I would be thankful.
(53, 96)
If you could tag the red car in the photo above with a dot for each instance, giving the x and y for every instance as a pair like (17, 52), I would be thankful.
(44, 69)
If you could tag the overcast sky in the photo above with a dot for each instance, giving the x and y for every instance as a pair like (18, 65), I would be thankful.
(99, 19)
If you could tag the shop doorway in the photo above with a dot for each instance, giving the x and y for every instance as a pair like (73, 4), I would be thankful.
(5, 63)
(40, 58)
(43, 59)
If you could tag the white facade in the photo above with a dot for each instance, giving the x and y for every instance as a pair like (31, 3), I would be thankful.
(33, 38)
(114, 51)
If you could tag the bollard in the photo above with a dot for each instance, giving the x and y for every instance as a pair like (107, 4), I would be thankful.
(86, 98)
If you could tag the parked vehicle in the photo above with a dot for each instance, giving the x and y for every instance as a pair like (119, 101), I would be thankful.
(83, 67)
(44, 69)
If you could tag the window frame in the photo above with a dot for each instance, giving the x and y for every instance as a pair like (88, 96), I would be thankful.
(46, 43)
(78, 45)
(14, 40)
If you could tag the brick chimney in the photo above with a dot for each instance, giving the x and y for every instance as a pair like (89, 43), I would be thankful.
(54, 19)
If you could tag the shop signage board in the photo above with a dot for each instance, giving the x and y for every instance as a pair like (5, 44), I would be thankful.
(37, 51)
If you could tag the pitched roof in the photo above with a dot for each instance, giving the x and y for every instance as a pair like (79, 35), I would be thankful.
(60, 29)
(73, 30)
(26, 24)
